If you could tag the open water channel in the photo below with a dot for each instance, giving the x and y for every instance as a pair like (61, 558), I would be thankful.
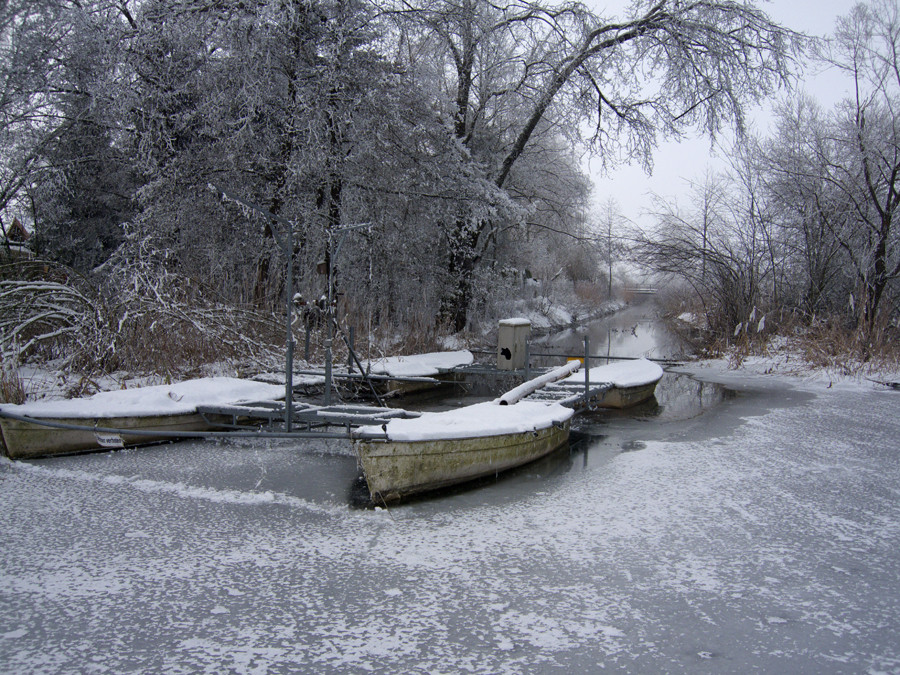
(738, 529)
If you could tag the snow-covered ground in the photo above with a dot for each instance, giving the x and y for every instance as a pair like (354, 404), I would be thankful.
(760, 536)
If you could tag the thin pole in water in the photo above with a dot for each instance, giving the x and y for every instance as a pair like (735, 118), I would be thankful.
(587, 369)
(351, 346)
(329, 333)
(289, 358)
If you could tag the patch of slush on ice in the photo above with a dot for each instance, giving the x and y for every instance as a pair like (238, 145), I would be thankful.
(538, 630)
(71, 583)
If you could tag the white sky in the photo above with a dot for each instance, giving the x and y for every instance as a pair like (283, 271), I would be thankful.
(677, 163)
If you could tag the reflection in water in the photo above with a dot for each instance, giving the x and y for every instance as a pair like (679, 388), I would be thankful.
(677, 397)
(682, 397)
(637, 331)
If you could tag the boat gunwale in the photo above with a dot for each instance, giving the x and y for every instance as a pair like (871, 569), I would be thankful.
(384, 439)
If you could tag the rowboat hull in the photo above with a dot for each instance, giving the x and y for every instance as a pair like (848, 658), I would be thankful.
(27, 440)
(398, 469)
(624, 397)
(403, 388)
(617, 385)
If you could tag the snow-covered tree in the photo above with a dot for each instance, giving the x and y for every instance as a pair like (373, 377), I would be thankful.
(839, 172)
(516, 71)
(33, 35)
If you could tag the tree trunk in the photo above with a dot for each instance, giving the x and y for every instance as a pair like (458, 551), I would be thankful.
(461, 264)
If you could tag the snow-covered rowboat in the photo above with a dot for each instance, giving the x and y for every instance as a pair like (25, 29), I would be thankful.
(44, 428)
(632, 382)
(411, 374)
(411, 456)
(616, 385)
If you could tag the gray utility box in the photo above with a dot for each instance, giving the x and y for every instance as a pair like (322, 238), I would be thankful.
(512, 343)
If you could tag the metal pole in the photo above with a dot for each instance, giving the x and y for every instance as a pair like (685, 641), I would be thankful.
(527, 360)
(350, 349)
(306, 339)
(329, 318)
(587, 370)
(289, 359)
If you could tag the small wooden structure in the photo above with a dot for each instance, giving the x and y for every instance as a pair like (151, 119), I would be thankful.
(17, 233)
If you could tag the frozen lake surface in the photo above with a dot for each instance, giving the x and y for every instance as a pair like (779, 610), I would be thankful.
(762, 535)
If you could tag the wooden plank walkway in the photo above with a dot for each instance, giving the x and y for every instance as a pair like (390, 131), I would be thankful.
(561, 385)
(570, 394)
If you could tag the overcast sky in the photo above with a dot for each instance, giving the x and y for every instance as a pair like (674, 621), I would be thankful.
(677, 163)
